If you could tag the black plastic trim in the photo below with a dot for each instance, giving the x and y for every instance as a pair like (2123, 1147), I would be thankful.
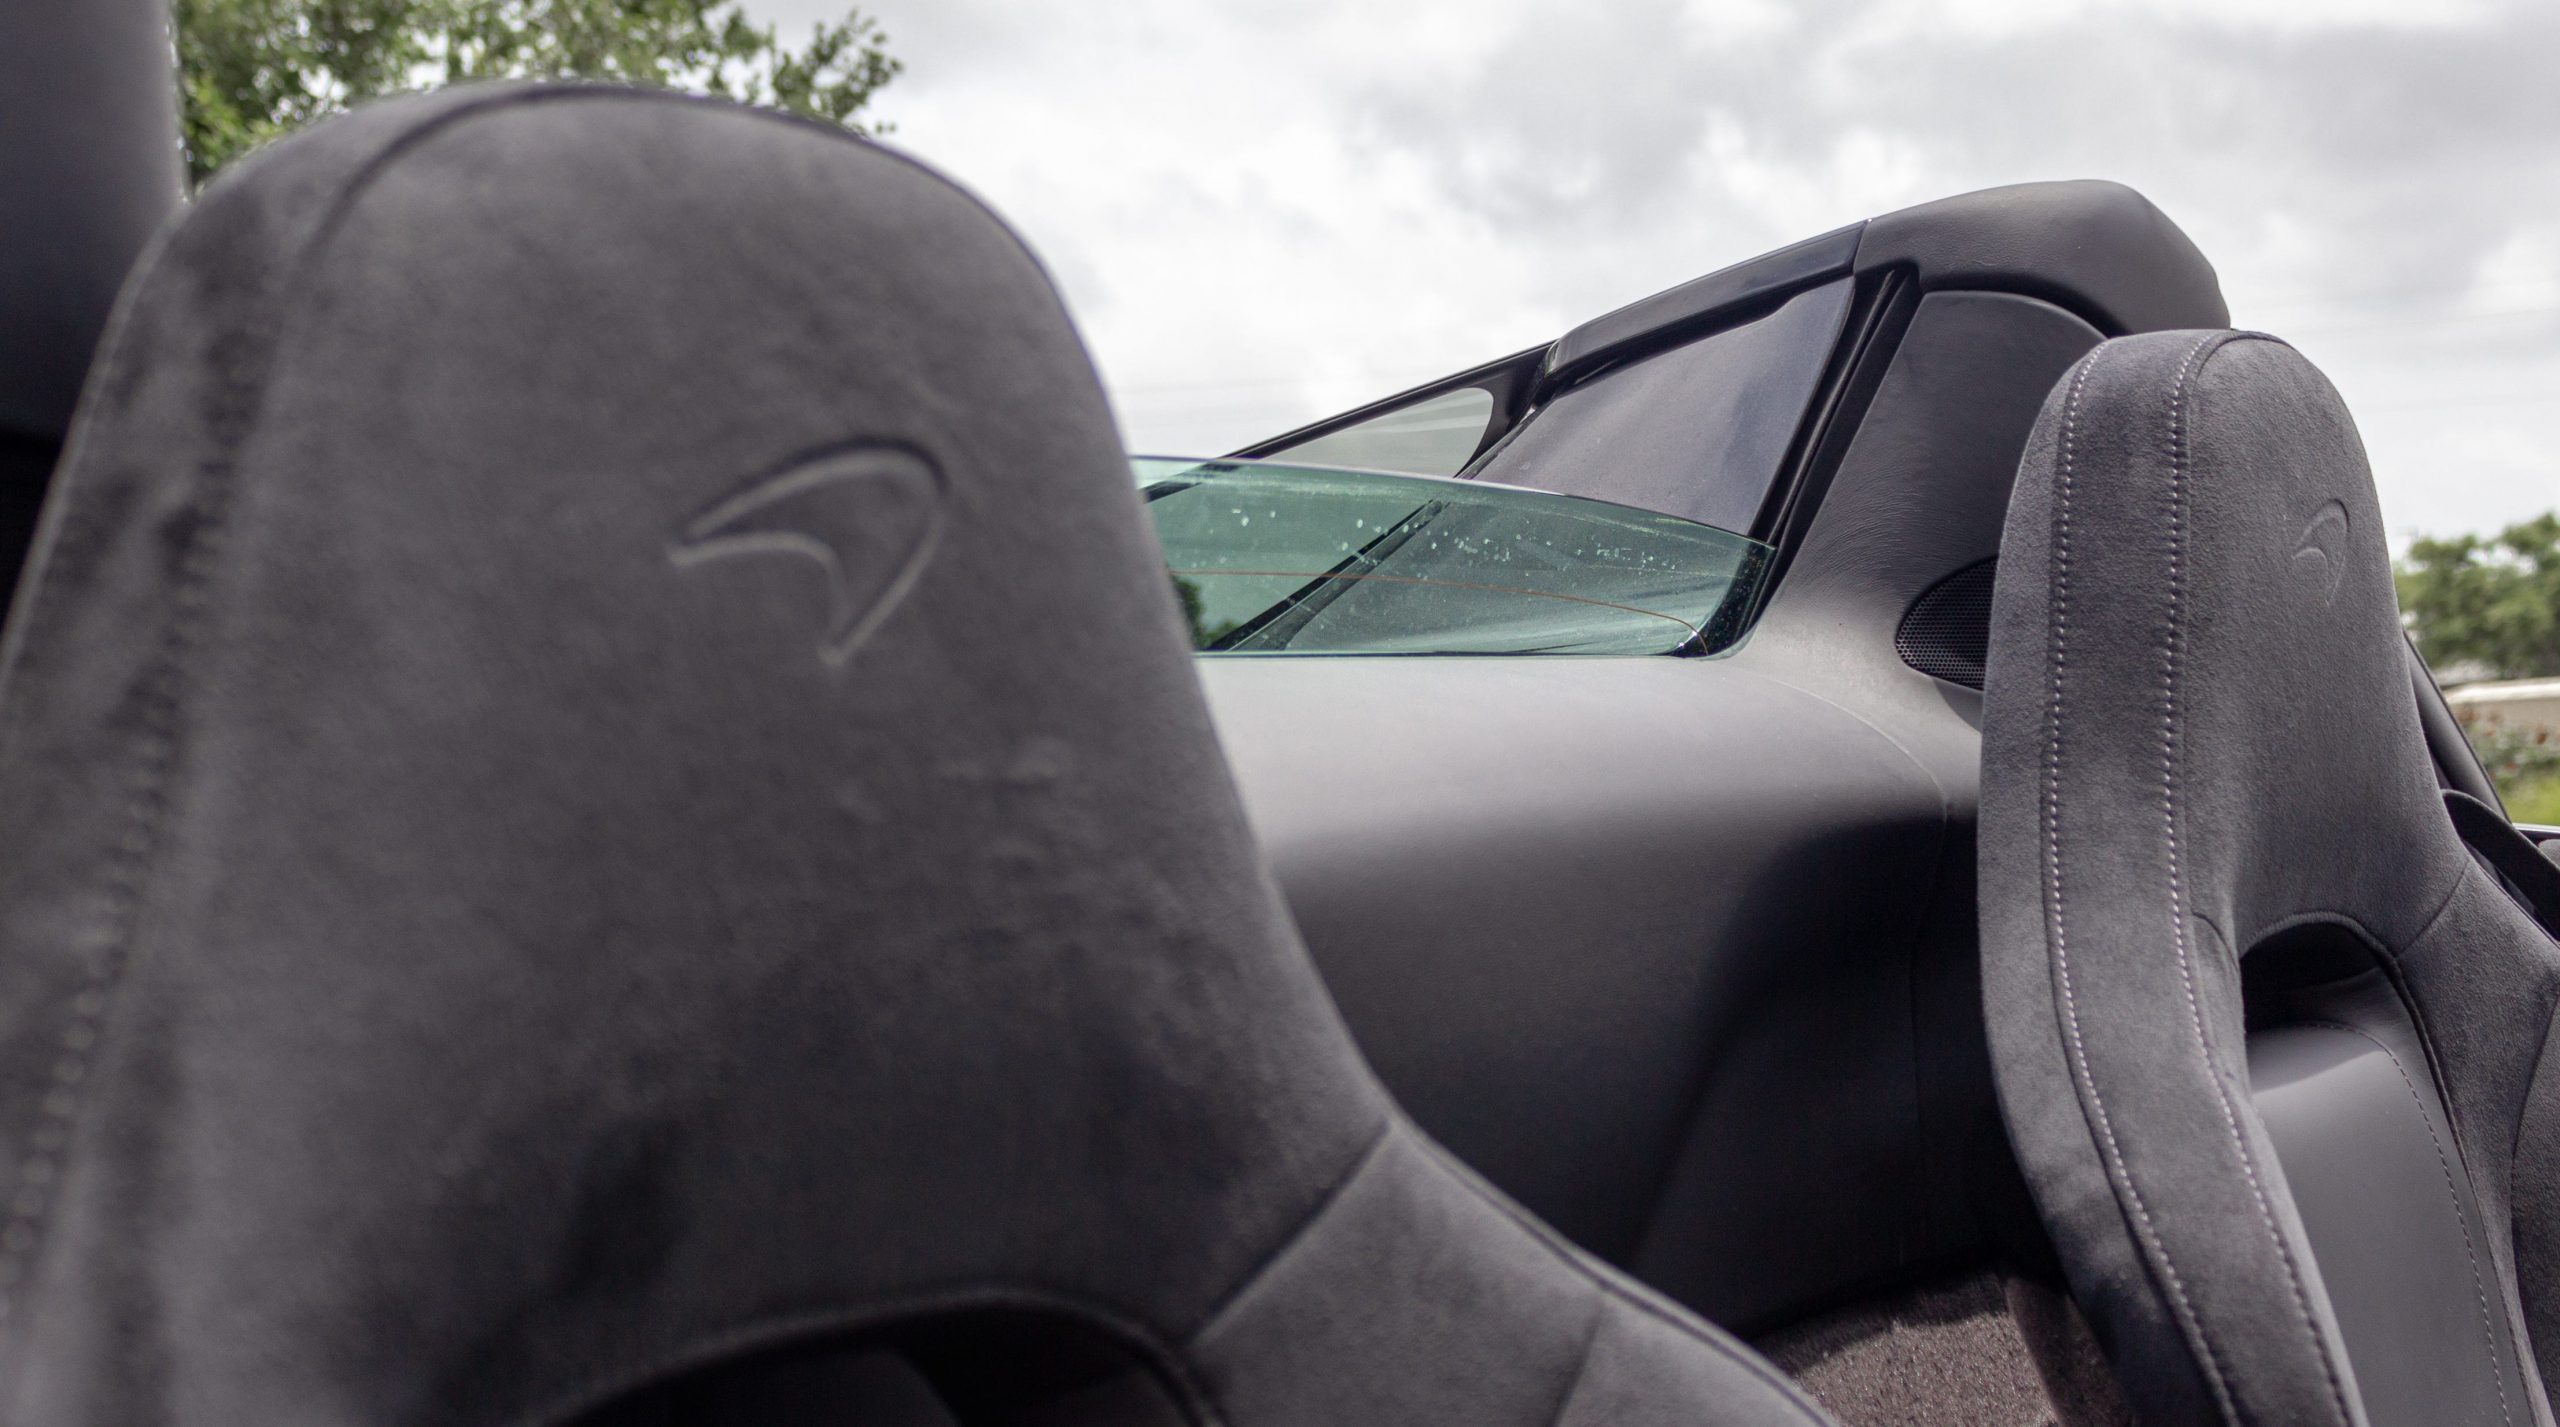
(1510, 379)
(1697, 305)
(1886, 301)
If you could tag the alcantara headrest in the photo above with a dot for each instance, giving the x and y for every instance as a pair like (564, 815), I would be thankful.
(602, 769)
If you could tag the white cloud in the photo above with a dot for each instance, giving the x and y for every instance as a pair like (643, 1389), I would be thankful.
(1264, 210)
(1999, 17)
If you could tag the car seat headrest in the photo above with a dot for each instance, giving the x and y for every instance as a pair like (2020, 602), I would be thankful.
(614, 771)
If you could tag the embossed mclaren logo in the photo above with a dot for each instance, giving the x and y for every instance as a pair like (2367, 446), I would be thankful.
(2321, 558)
(868, 517)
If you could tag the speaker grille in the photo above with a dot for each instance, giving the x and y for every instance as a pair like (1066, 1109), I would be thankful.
(1946, 633)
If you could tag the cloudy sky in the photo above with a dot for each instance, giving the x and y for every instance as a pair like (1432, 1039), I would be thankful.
(1264, 211)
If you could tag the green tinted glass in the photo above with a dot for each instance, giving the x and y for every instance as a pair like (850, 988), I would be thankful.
(1296, 560)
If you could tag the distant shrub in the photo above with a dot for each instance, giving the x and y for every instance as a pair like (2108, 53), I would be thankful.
(2513, 756)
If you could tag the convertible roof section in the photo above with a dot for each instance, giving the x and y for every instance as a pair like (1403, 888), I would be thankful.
(2097, 248)
(2093, 247)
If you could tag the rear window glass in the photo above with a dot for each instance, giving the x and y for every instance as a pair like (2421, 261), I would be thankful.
(1698, 431)
(1433, 437)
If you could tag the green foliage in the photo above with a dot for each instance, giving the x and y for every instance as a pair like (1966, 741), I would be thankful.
(2514, 755)
(2489, 603)
(1195, 615)
(2535, 800)
(2525, 764)
(253, 69)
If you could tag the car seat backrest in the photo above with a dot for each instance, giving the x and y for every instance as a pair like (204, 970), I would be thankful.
(607, 794)
(2266, 1034)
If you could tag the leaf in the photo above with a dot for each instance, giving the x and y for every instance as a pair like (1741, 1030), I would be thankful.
(251, 70)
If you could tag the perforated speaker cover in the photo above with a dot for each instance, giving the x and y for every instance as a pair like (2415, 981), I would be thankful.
(1947, 631)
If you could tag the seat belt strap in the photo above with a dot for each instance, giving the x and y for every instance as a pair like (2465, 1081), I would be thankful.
(2530, 877)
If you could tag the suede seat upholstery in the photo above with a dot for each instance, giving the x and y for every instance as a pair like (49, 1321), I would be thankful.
(604, 780)
(2269, 1039)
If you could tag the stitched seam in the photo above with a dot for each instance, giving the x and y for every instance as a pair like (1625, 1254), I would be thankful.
(1732, 1353)
(131, 855)
(146, 803)
(1571, 1258)
(1369, 1154)
(2173, 644)
(2453, 1192)
(2056, 664)
(2388, 966)
(2443, 905)
(1577, 1261)
(1581, 1363)
(2533, 1077)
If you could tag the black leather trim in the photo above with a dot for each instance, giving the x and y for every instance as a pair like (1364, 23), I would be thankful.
(2342, 1082)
